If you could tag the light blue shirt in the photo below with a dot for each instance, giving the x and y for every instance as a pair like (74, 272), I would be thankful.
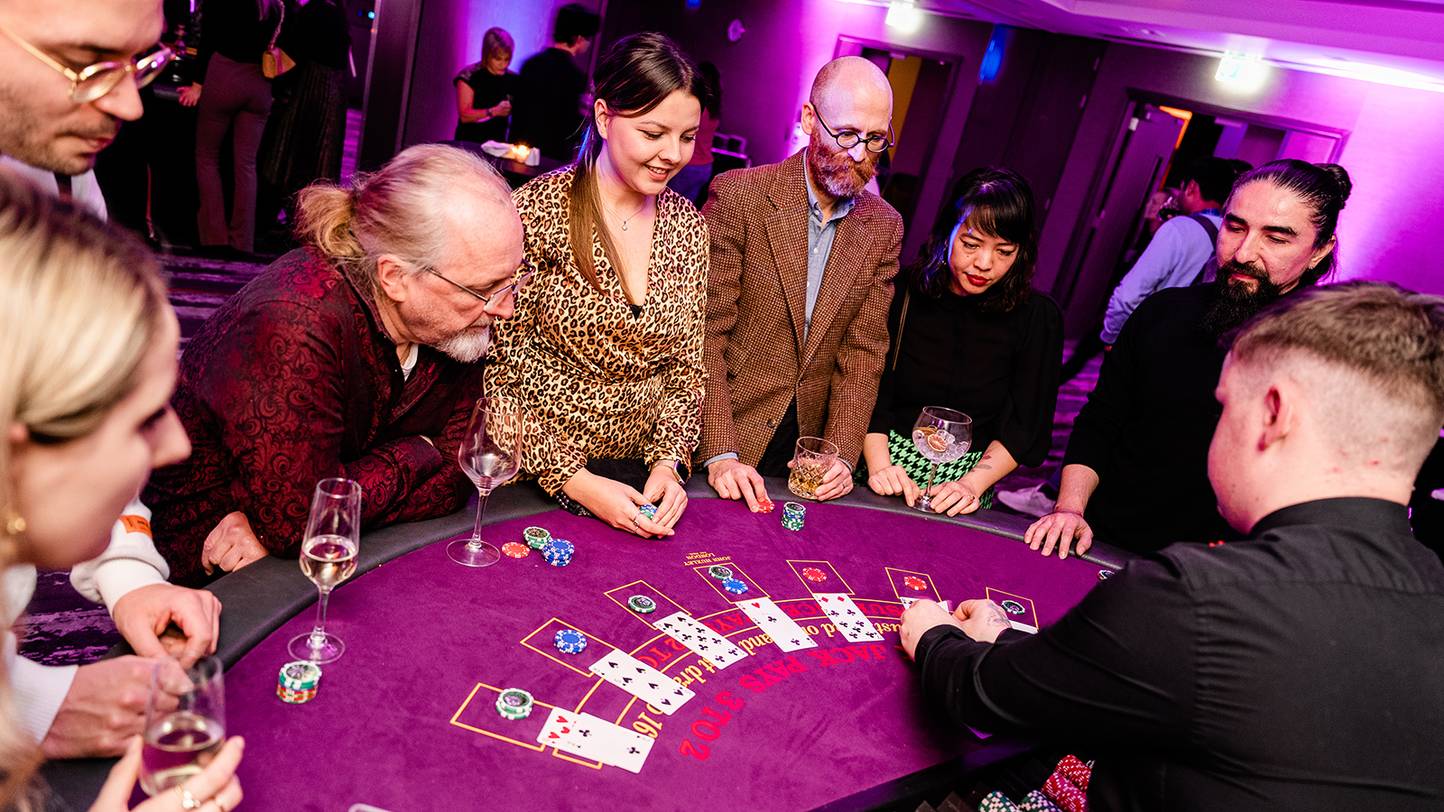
(1172, 259)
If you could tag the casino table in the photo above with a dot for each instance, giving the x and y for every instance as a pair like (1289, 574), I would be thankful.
(406, 720)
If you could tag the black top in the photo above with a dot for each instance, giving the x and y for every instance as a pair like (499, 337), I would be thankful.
(546, 111)
(488, 90)
(1147, 426)
(236, 30)
(317, 33)
(1303, 669)
(999, 368)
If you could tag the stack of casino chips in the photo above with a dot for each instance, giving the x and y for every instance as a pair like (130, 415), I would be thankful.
(720, 572)
(298, 682)
(735, 586)
(514, 704)
(792, 515)
(1036, 801)
(558, 552)
(641, 604)
(1068, 785)
(996, 801)
(650, 511)
(536, 537)
(570, 641)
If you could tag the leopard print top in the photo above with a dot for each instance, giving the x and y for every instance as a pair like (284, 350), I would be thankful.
(597, 380)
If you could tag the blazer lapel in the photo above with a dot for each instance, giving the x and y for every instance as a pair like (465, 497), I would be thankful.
(849, 246)
(787, 236)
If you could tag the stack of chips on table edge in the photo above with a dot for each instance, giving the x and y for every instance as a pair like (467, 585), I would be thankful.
(298, 682)
(558, 552)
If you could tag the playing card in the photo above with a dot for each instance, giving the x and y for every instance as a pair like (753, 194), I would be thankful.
(642, 681)
(704, 642)
(586, 736)
(849, 620)
(1021, 613)
(784, 630)
(907, 602)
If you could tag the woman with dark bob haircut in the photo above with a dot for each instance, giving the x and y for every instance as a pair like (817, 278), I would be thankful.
(969, 333)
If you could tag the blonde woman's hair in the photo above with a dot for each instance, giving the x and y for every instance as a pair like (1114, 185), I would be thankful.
(400, 209)
(79, 306)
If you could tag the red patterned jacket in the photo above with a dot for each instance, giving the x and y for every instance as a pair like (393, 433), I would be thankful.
(293, 380)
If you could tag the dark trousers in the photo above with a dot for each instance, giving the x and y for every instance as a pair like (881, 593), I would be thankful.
(236, 98)
(783, 446)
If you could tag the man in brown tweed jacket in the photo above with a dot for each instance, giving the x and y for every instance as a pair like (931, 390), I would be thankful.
(801, 278)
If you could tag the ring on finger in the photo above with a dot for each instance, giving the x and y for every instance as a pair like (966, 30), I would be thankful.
(187, 800)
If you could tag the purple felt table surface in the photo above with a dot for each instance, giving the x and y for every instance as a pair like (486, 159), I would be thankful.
(406, 719)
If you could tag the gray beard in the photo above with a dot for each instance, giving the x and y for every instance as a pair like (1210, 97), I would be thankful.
(468, 346)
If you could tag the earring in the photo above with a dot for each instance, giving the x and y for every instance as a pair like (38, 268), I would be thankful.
(14, 523)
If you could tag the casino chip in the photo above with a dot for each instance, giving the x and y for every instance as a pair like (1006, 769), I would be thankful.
(1104, 575)
(650, 511)
(734, 586)
(915, 583)
(719, 572)
(641, 604)
(514, 704)
(558, 552)
(1012, 607)
(516, 549)
(814, 574)
(536, 537)
(570, 641)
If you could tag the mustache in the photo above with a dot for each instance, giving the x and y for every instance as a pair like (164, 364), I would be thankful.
(1233, 267)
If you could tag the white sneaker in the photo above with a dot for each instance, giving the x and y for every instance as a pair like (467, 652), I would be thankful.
(1029, 501)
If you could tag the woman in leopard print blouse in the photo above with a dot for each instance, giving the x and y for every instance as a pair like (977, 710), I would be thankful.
(605, 349)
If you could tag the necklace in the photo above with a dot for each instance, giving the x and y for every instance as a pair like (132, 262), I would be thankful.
(627, 220)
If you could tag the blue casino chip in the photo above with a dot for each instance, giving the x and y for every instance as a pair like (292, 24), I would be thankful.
(734, 586)
(570, 641)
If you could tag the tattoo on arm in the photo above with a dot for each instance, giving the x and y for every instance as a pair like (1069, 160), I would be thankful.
(997, 617)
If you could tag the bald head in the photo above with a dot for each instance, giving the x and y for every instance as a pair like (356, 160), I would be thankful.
(851, 81)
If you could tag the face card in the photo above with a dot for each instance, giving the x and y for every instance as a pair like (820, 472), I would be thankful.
(642, 681)
(849, 620)
(700, 639)
(908, 602)
(771, 619)
(587, 736)
(1019, 609)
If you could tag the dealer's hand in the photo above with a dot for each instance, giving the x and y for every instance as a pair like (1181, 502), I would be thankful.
(616, 503)
(835, 483)
(894, 480)
(190, 96)
(666, 493)
(919, 619)
(105, 706)
(1060, 528)
(215, 787)
(953, 498)
(732, 479)
(142, 615)
(231, 545)
(982, 620)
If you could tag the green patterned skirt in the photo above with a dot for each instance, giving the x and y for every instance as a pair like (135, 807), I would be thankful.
(905, 453)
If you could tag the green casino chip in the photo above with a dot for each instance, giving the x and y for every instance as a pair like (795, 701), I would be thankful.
(1012, 607)
(641, 604)
(719, 572)
(536, 537)
(514, 704)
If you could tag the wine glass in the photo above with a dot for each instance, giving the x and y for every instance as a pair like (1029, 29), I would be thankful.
(941, 435)
(810, 463)
(490, 454)
(328, 557)
(180, 741)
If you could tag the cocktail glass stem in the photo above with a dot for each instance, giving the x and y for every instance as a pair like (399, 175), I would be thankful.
(475, 543)
(318, 634)
(926, 502)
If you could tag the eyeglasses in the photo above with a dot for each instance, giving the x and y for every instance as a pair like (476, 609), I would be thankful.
(521, 281)
(847, 139)
(95, 81)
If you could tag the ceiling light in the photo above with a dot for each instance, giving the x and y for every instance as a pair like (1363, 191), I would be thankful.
(904, 15)
(1241, 72)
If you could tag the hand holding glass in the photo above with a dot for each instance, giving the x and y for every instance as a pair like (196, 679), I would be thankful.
(328, 557)
(490, 454)
(810, 463)
(181, 739)
(941, 435)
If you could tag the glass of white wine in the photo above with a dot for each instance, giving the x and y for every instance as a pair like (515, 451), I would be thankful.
(941, 435)
(490, 454)
(182, 733)
(328, 557)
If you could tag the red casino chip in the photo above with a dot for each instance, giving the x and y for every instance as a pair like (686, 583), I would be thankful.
(516, 549)
(814, 574)
(915, 583)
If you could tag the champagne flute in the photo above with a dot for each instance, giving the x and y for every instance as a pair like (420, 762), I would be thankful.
(490, 454)
(941, 435)
(811, 461)
(328, 557)
(180, 741)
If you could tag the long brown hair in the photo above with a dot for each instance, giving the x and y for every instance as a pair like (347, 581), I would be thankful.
(995, 201)
(635, 75)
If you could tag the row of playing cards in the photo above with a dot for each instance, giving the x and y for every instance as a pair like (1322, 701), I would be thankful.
(844, 614)
(586, 736)
(642, 681)
(698, 637)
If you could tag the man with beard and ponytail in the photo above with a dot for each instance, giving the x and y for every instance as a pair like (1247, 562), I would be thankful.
(1135, 472)
(802, 263)
(351, 356)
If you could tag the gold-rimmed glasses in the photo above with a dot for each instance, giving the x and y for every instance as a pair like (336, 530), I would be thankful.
(499, 295)
(95, 81)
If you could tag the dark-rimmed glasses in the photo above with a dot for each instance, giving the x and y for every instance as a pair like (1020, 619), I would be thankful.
(500, 295)
(95, 81)
(847, 139)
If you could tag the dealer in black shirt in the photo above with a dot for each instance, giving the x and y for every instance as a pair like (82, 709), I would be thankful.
(1300, 668)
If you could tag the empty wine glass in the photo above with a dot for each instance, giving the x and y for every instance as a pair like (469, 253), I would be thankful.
(328, 557)
(490, 454)
(941, 435)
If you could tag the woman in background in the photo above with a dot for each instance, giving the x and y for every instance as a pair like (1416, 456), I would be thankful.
(484, 90)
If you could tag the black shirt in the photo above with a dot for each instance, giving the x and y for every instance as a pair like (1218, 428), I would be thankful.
(1302, 669)
(317, 33)
(546, 112)
(1147, 425)
(235, 29)
(487, 90)
(999, 368)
